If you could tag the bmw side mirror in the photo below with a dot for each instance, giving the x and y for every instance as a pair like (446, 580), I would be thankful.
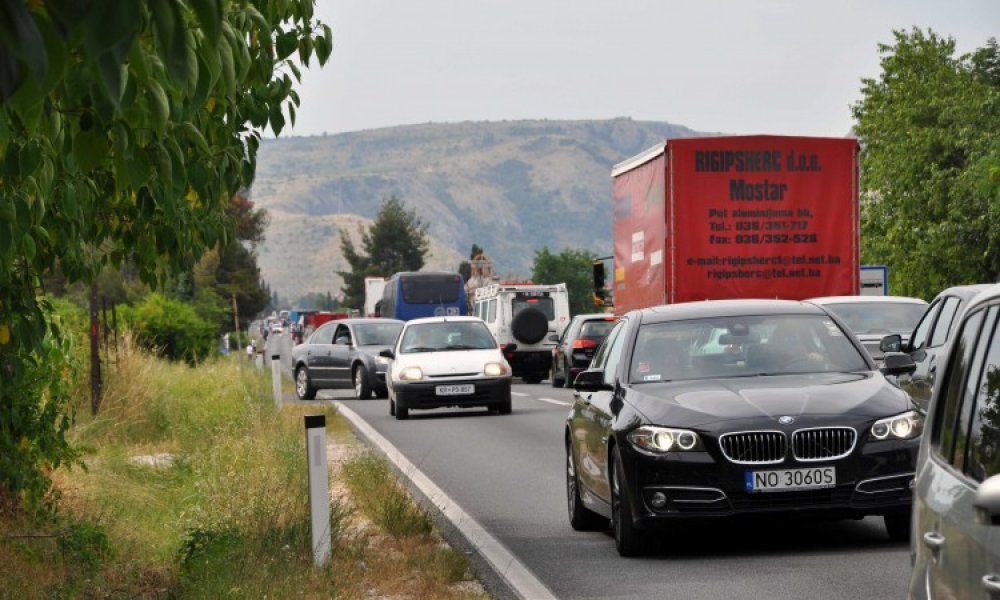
(898, 363)
(891, 343)
(387, 354)
(591, 380)
(987, 502)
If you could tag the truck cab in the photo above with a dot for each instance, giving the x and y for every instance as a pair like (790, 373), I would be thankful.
(526, 320)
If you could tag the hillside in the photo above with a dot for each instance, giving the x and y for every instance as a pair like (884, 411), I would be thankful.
(510, 187)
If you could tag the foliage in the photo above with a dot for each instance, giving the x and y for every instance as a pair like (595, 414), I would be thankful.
(125, 130)
(465, 267)
(317, 301)
(396, 241)
(171, 328)
(572, 267)
(35, 384)
(931, 156)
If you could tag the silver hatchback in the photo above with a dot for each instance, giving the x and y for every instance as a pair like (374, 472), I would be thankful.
(956, 508)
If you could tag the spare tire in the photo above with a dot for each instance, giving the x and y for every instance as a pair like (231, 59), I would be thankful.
(530, 326)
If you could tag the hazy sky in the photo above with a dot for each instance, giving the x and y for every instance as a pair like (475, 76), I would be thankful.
(780, 66)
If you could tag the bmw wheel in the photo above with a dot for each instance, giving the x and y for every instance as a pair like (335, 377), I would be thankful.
(580, 517)
(629, 541)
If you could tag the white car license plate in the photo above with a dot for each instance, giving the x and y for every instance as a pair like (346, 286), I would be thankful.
(791, 479)
(455, 390)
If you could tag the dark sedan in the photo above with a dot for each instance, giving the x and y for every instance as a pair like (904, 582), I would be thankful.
(343, 354)
(737, 407)
(576, 347)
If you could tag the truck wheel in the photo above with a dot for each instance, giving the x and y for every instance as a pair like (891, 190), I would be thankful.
(529, 326)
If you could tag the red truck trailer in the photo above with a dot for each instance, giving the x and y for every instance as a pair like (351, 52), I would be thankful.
(758, 216)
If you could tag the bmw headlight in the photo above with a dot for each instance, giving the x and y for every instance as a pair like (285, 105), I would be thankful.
(496, 369)
(661, 440)
(411, 374)
(901, 427)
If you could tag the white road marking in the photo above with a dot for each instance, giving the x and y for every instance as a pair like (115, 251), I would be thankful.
(519, 394)
(554, 401)
(517, 575)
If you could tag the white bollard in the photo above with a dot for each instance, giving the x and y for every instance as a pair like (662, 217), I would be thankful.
(276, 379)
(319, 487)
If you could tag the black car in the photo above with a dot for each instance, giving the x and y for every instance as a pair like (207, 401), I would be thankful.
(343, 354)
(576, 347)
(929, 339)
(737, 407)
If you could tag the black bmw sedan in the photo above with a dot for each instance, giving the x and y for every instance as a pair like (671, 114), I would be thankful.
(737, 407)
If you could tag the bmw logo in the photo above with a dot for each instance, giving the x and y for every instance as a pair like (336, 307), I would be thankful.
(786, 420)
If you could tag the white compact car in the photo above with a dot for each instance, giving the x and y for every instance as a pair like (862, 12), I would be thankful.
(441, 362)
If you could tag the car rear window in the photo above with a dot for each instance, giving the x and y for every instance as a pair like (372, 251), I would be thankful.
(596, 330)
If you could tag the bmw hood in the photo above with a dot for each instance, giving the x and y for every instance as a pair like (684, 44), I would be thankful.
(705, 401)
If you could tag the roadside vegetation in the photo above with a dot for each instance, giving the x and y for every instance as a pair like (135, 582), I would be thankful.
(194, 486)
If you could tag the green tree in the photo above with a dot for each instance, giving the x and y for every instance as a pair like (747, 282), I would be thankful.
(931, 164)
(465, 267)
(572, 267)
(396, 241)
(125, 128)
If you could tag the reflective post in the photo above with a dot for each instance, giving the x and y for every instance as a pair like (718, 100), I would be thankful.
(276, 379)
(319, 487)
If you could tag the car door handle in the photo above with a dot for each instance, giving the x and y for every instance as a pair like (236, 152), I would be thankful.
(933, 540)
(992, 583)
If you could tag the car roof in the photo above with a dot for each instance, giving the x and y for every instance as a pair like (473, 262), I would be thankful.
(582, 317)
(726, 308)
(442, 319)
(863, 299)
(965, 291)
(988, 293)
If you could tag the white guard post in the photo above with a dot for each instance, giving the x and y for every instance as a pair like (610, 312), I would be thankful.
(276, 379)
(319, 487)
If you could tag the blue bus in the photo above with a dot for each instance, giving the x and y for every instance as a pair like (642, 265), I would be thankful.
(411, 295)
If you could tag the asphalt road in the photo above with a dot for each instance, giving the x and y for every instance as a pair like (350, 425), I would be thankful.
(507, 472)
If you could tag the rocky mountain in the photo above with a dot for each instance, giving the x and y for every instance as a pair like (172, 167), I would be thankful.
(511, 187)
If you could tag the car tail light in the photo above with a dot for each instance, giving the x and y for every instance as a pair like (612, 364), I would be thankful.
(584, 344)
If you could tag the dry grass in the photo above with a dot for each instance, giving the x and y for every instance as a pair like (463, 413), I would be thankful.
(227, 514)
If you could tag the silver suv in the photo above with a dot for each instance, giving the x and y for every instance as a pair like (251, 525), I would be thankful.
(956, 507)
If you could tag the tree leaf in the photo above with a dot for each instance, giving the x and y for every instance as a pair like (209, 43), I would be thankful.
(18, 29)
(209, 13)
(89, 149)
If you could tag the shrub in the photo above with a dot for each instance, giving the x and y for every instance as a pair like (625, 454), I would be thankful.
(171, 328)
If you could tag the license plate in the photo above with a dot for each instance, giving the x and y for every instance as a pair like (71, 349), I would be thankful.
(791, 479)
(455, 390)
